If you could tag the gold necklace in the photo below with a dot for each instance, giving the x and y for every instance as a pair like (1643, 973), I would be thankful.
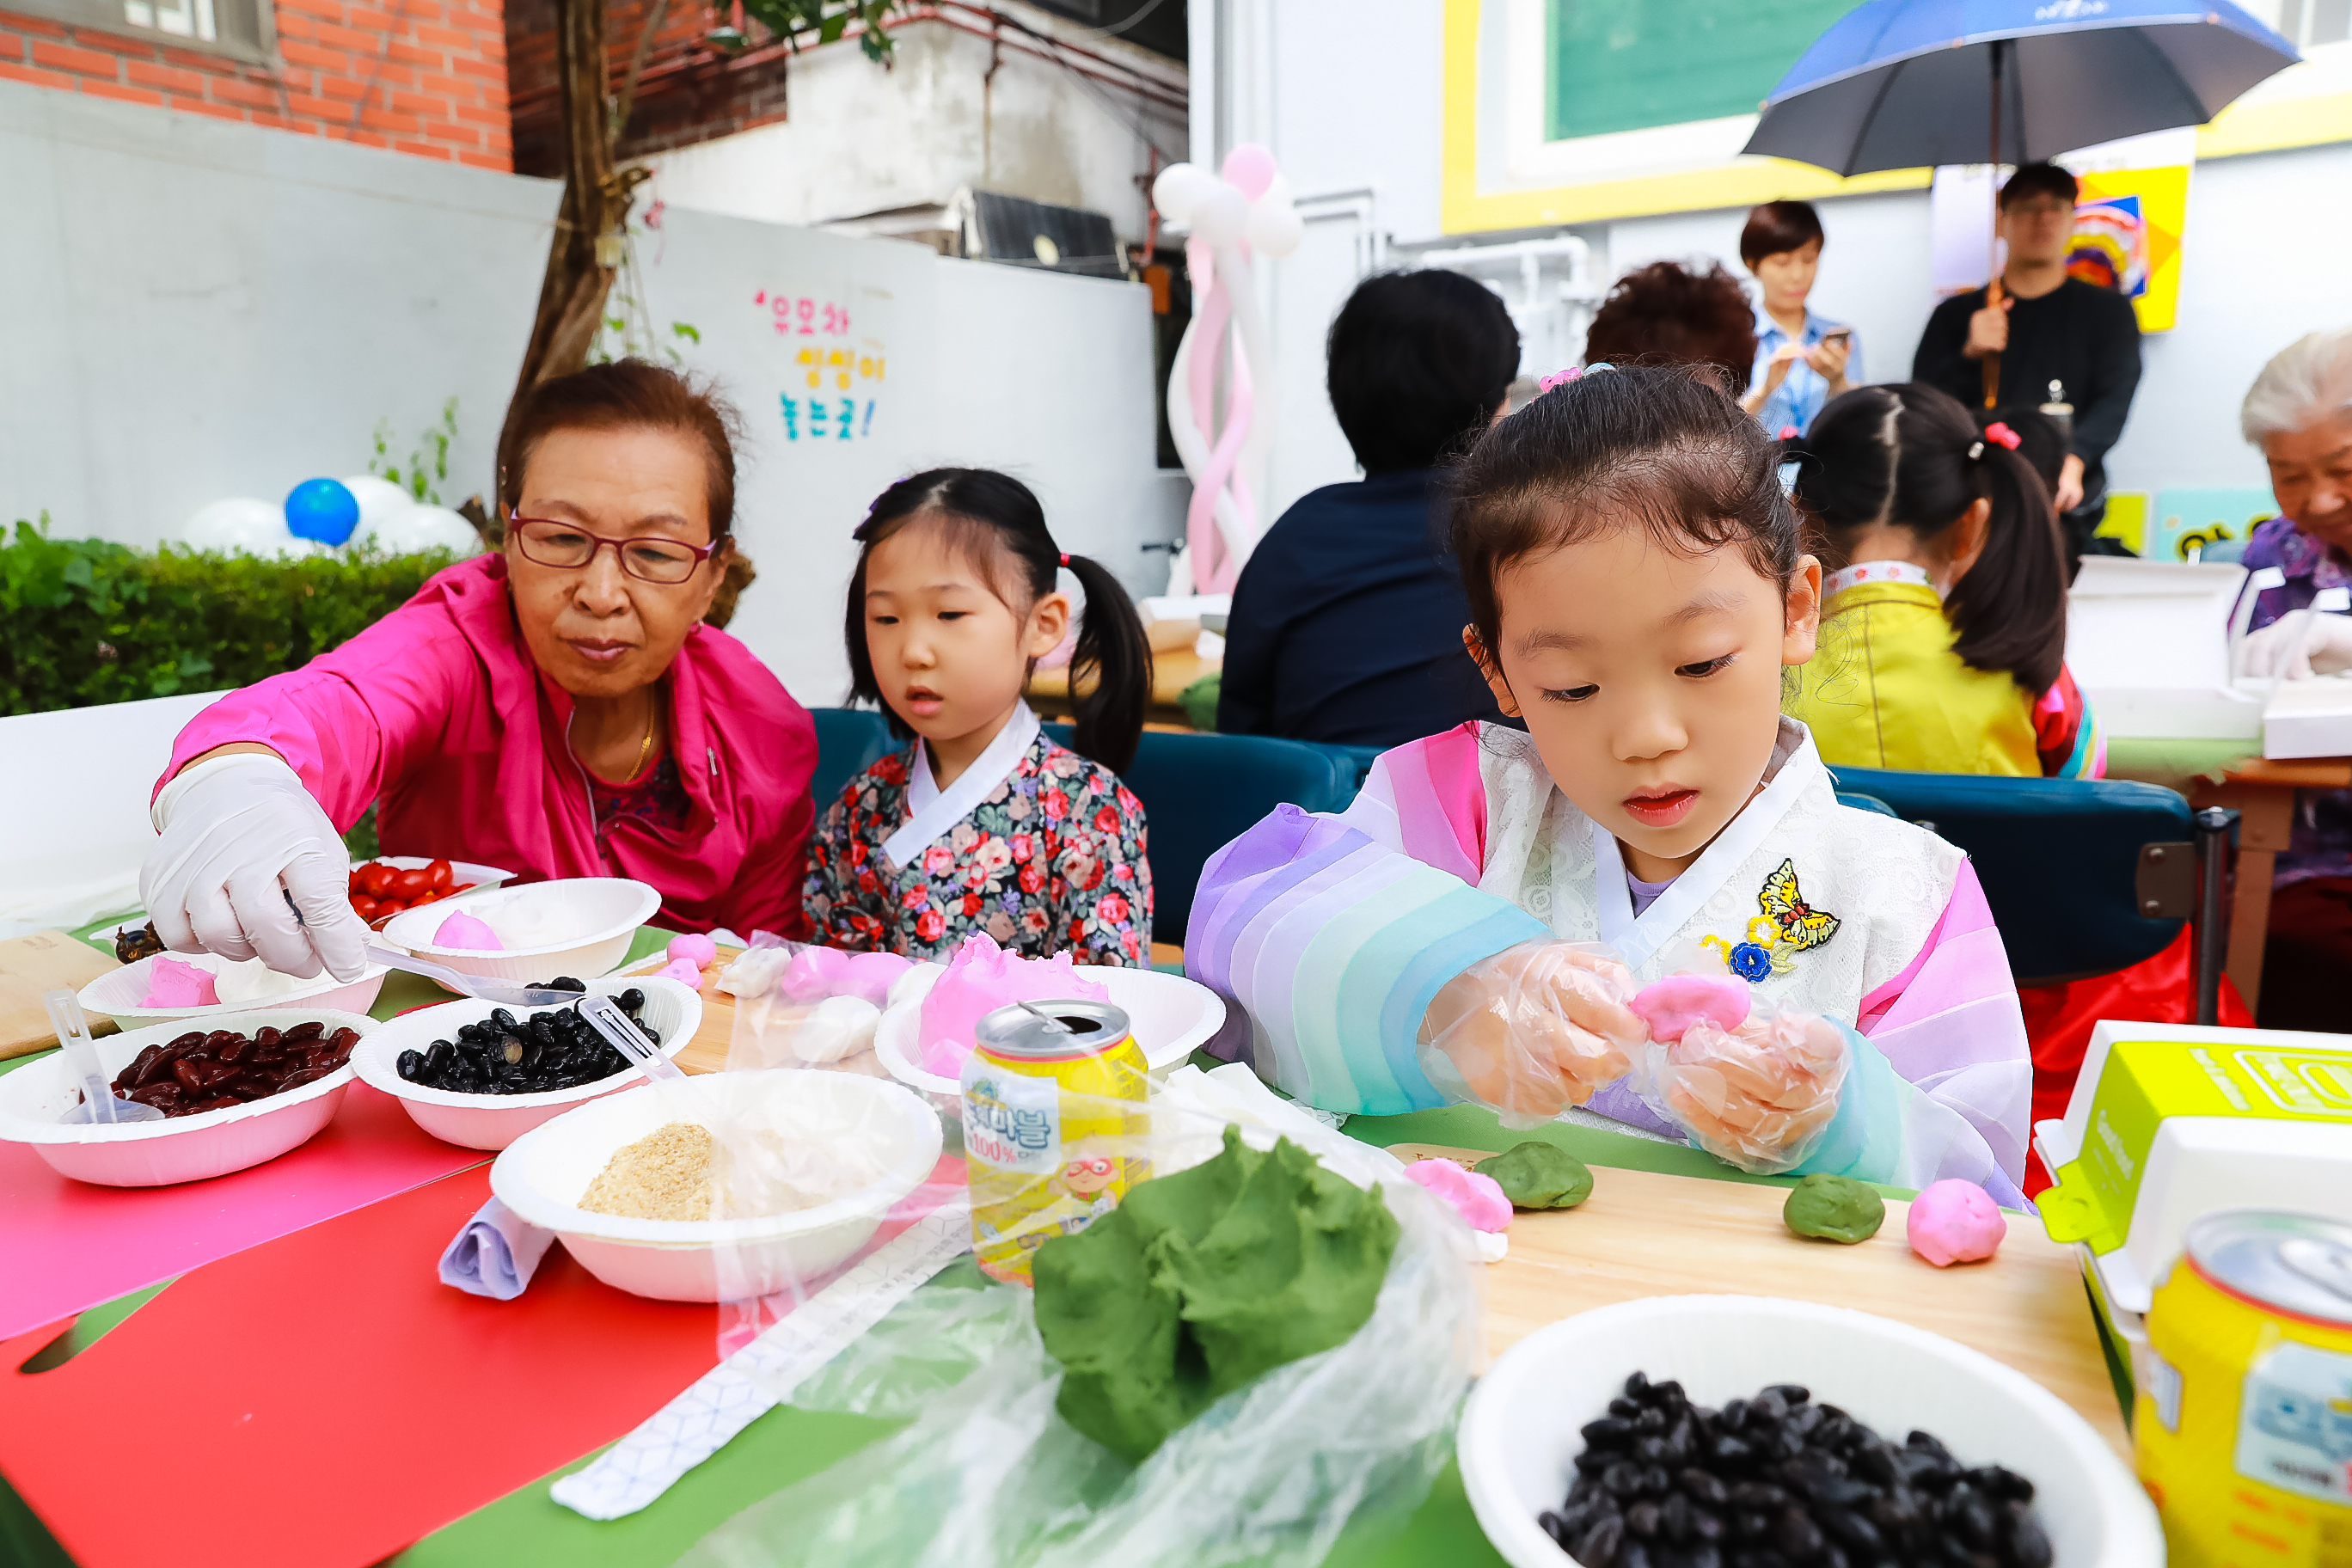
(653, 722)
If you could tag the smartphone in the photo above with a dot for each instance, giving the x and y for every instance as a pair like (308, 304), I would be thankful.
(1837, 335)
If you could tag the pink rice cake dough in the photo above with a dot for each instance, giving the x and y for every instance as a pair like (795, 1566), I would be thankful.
(1955, 1222)
(172, 984)
(1478, 1199)
(980, 978)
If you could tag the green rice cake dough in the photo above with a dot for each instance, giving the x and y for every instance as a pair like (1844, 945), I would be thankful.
(1834, 1208)
(1538, 1176)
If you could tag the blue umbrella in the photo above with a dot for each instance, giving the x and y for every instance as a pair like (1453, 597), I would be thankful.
(1901, 84)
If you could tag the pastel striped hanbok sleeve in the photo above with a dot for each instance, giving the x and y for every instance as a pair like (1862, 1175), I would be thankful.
(1942, 1081)
(1330, 936)
(2066, 732)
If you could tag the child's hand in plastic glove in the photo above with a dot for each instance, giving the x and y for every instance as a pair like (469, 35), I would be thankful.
(1538, 1027)
(1759, 1095)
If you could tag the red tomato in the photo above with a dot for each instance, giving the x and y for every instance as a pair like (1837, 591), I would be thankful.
(367, 909)
(439, 874)
(376, 878)
(355, 882)
(407, 885)
(429, 896)
(461, 887)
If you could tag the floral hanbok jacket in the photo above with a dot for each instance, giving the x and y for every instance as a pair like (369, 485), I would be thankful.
(1050, 860)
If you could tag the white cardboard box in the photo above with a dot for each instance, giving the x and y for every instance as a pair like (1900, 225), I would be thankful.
(2150, 644)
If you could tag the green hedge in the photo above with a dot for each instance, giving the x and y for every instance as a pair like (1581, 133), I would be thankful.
(84, 621)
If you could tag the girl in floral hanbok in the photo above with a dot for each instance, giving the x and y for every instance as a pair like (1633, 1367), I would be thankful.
(1647, 908)
(983, 825)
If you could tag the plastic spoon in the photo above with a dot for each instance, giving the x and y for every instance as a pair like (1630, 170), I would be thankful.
(609, 1021)
(472, 985)
(97, 1102)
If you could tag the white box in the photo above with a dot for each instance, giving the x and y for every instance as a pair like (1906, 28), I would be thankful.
(2150, 644)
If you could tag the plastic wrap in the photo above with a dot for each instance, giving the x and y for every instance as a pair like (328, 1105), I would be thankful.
(990, 1475)
(801, 1005)
(1534, 1029)
(1758, 1095)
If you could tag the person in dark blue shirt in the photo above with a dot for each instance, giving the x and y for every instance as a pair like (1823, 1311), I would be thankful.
(1346, 622)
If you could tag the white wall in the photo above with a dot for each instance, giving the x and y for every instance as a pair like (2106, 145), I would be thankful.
(206, 309)
(862, 140)
(202, 310)
(1347, 92)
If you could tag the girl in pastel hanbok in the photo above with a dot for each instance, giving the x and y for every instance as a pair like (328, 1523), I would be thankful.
(984, 825)
(1647, 908)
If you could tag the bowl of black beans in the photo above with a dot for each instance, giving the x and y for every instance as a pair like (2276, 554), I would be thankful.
(1742, 1432)
(481, 1075)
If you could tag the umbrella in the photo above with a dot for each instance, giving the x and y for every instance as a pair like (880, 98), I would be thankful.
(1902, 84)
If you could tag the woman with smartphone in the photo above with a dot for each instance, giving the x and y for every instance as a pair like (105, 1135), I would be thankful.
(1802, 359)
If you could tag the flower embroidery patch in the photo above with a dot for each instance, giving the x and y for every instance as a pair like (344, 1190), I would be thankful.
(1787, 927)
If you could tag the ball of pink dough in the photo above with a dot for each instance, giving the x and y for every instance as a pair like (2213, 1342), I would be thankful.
(869, 975)
(1478, 1199)
(464, 932)
(685, 971)
(811, 974)
(693, 948)
(1672, 1004)
(1955, 1222)
(172, 984)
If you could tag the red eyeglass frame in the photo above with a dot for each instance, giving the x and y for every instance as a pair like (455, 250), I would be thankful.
(702, 552)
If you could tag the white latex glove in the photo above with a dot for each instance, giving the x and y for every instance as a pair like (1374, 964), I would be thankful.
(235, 831)
(2298, 645)
(1538, 1027)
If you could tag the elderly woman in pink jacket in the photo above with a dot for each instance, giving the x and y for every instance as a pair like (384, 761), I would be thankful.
(558, 708)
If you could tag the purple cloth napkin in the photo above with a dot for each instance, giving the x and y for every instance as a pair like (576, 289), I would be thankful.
(495, 1254)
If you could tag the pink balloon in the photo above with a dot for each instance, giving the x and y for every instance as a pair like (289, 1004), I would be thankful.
(1249, 169)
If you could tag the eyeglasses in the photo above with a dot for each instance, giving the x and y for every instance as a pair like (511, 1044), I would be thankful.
(568, 546)
(2041, 209)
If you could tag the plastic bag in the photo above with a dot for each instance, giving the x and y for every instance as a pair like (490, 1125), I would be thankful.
(1759, 1095)
(797, 1004)
(990, 1475)
(1533, 1029)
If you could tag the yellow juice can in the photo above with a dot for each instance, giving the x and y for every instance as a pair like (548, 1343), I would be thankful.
(2242, 1422)
(1054, 1126)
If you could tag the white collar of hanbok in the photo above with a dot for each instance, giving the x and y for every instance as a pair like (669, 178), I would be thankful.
(932, 812)
(1795, 768)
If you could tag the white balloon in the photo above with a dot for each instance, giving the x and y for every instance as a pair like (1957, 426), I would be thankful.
(1179, 187)
(378, 499)
(417, 528)
(1276, 230)
(1277, 191)
(253, 526)
(1222, 216)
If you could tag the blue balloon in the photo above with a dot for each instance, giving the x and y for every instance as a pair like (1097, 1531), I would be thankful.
(323, 510)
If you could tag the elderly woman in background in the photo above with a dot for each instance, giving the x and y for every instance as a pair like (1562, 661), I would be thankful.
(1667, 313)
(558, 708)
(2299, 412)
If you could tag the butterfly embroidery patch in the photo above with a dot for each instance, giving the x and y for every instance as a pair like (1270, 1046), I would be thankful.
(1787, 927)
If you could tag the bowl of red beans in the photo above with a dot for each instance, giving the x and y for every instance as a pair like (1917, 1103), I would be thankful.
(242, 1088)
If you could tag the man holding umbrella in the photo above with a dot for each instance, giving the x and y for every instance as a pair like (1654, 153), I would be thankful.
(2047, 338)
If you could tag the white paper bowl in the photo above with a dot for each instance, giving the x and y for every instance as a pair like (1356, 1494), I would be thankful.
(495, 1120)
(1520, 1430)
(1172, 1017)
(178, 1148)
(543, 1174)
(121, 993)
(603, 913)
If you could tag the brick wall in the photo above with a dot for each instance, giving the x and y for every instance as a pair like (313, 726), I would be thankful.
(422, 77)
(686, 94)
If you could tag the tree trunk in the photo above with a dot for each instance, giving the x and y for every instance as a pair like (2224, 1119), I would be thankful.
(572, 295)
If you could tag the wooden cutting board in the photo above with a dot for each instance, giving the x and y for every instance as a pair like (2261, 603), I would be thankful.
(1642, 1234)
(29, 965)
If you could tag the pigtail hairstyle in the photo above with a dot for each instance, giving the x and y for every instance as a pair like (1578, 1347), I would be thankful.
(995, 516)
(1664, 448)
(1910, 457)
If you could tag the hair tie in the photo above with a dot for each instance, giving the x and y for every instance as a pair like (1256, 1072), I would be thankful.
(1975, 450)
(1788, 433)
(1557, 378)
(1065, 558)
(1997, 431)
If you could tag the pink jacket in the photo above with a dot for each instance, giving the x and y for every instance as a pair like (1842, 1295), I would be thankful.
(438, 712)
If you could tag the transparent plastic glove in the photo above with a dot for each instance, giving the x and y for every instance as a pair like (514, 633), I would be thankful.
(1538, 1027)
(2298, 645)
(1758, 1095)
(236, 830)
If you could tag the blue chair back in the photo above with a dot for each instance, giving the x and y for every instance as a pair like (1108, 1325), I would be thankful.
(1869, 803)
(848, 741)
(2059, 858)
(1199, 792)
